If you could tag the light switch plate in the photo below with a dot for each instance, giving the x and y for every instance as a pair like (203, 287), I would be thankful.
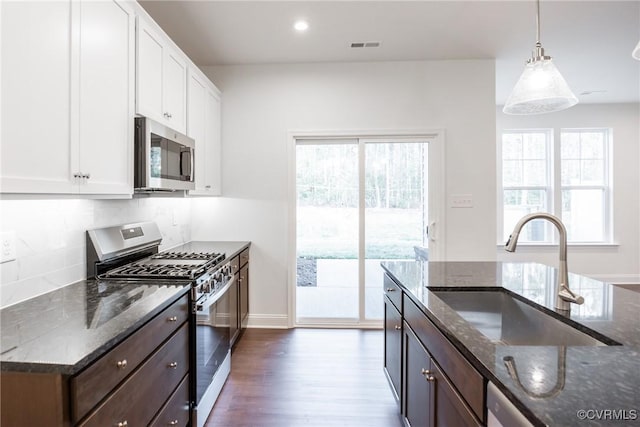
(7, 246)
(461, 201)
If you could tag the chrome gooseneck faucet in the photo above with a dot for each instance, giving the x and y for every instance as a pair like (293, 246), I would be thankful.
(565, 297)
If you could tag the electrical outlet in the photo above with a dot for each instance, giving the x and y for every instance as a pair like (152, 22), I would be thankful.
(8, 246)
(461, 201)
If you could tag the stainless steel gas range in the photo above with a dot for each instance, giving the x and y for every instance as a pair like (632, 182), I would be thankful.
(130, 252)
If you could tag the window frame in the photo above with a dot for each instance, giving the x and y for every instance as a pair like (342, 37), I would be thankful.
(548, 189)
(554, 190)
(607, 205)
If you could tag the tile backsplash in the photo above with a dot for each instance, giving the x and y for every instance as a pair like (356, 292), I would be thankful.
(50, 237)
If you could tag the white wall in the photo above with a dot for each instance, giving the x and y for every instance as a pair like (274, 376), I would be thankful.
(50, 237)
(262, 103)
(619, 263)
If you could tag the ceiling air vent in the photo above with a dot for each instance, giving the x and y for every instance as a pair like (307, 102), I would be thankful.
(364, 44)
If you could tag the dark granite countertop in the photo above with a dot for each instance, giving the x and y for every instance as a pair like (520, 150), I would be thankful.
(555, 381)
(65, 330)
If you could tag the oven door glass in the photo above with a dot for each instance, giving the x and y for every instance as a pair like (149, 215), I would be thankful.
(212, 338)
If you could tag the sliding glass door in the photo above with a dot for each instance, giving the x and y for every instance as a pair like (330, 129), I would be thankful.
(358, 202)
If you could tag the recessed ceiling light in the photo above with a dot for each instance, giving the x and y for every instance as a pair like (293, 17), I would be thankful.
(301, 26)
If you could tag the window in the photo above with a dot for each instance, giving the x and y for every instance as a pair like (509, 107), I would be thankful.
(584, 174)
(525, 181)
(569, 179)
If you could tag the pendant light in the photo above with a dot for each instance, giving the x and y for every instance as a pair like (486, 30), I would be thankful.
(541, 88)
(636, 52)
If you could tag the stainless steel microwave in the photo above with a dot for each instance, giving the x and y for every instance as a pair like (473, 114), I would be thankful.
(164, 159)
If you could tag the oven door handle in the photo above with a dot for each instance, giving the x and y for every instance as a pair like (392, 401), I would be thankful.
(204, 305)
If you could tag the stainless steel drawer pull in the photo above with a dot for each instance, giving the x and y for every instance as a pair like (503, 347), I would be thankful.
(122, 364)
(398, 327)
(123, 424)
(390, 290)
(431, 378)
(173, 319)
(173, 423)
(425, 372)
(173, 365)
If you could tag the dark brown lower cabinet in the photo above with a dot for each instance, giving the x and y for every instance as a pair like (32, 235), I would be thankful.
(244, 296)
(417, 404)
(430, 399)
(392, 346)
(433, 382)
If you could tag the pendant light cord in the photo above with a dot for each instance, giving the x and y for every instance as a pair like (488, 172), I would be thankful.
(538, 23)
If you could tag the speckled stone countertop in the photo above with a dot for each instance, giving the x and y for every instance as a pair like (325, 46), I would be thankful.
(555, 382)
(65, 330)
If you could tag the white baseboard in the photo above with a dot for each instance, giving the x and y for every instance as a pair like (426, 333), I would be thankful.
(621, 279)
(272, 321)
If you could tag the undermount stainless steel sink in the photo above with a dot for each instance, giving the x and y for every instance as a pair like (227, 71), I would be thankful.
(507, 321)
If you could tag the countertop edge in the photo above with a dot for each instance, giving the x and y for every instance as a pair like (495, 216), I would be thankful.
(69, 370)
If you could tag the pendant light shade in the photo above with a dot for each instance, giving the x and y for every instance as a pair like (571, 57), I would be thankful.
(636, 52)
(541, 88)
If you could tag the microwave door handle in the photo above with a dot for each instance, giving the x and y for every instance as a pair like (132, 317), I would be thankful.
(186, 164)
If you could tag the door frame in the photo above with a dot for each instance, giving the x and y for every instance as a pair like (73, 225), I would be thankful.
(437, 199)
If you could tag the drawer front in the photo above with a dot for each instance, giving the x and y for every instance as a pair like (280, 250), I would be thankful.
(464, 377)
(144, 393)
(94, 383)
(176, 411)
(450, 408)
(235, 264)
(244, 257)
(393, 291)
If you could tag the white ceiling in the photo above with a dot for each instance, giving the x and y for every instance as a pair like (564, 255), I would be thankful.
(590, 41)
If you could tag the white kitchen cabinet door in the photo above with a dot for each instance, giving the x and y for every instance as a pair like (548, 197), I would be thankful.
(37, 152)
(150, 60)
(204, 126)
(175, 90)
(196, 96)
(161, 78)
(213, 148)
(107, 60)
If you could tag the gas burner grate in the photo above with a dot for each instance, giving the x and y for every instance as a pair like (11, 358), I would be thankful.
(188, 255)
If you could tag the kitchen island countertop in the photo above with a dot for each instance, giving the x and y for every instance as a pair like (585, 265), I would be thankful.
(555, 382)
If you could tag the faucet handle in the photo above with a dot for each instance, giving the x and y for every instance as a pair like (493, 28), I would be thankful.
(566, 294)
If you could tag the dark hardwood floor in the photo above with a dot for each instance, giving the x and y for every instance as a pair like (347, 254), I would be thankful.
(306, 377)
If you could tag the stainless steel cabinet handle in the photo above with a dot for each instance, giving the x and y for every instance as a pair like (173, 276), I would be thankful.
(398, 327)
(173, 365)
(173, 423)
(122, 364)
(207, 187)
(173, 319)
(123, 424)
(391, 290)
(427, 375)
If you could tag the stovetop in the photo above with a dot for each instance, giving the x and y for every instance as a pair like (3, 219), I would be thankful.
(170, 265)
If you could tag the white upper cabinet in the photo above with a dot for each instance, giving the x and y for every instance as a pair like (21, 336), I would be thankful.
(107, 61)
(161, 78)
(204, 127)
(67, 97)
(36, 147)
